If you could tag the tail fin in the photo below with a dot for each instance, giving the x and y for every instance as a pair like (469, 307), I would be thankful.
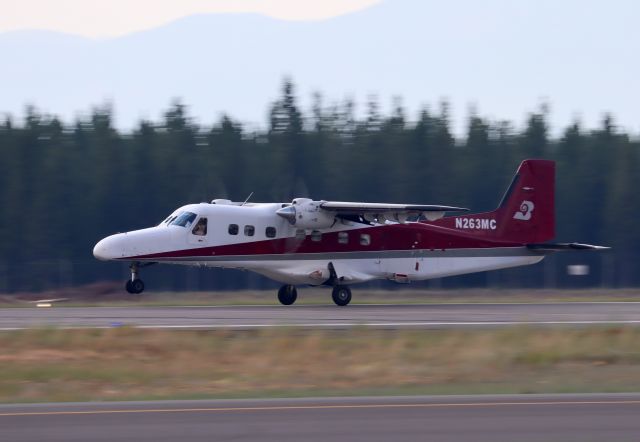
(526, 213)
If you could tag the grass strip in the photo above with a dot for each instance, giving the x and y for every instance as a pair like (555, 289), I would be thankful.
(123, 364)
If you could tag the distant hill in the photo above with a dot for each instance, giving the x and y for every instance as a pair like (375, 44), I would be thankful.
(505, 56)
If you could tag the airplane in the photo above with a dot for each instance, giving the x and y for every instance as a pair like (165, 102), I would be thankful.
(337, 244)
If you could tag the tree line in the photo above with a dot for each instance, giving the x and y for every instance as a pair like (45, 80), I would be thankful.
(65, 186)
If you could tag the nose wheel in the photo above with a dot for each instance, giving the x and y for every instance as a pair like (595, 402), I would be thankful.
(135, 286)
(287, 294)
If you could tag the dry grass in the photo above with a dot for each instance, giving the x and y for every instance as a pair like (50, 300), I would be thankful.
(70, 365)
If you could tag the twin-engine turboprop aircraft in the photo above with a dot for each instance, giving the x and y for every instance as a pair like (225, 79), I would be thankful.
(337, 244)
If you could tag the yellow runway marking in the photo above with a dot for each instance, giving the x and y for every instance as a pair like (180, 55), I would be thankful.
(317, 407)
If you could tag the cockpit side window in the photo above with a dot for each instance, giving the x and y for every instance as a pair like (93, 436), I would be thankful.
(185, 219)
(201, 227)
(168, 221)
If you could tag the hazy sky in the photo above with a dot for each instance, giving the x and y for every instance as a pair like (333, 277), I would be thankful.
(503, 57)
(109, 18)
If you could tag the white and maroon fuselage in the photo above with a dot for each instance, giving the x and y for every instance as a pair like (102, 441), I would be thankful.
(359, 252)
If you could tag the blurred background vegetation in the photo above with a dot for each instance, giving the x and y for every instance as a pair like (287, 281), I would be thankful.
(65, 186)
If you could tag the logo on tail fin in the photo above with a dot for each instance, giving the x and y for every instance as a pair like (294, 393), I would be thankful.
(524, 214)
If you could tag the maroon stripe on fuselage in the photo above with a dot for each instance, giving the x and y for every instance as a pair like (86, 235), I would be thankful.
(389, 237)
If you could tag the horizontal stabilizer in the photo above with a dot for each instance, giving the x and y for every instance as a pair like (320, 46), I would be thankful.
(563, 247)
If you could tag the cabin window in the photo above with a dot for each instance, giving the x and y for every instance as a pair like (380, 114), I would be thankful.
(233, 229)
(185, 219)
(316, 236)
(365, 239)
(270, 232)
(249, 230)
(343, 238)
(201, 227)
(301, 234)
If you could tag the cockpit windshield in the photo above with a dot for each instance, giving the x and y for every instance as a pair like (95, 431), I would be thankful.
(185, 219)
(168, 220)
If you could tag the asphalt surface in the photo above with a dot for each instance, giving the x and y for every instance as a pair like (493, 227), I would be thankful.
(522, 418)
(329, 316)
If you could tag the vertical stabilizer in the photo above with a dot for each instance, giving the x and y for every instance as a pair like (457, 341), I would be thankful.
(526, 213)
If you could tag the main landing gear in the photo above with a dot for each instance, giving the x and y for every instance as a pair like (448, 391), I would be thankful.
(135, 286)
(288, 294)
(341, 295)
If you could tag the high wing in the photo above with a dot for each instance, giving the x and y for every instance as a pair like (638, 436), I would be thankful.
(308, 214)
(397, 212)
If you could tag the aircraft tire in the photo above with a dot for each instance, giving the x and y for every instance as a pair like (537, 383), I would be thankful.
(287, 294)
(341, 295)
(135, 287)
(128, 287)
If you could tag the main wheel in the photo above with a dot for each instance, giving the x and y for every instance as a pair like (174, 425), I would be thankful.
(135, 287)
(341, 295)
(287, 294)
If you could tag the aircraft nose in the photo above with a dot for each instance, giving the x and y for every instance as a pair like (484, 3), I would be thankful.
(106, 249)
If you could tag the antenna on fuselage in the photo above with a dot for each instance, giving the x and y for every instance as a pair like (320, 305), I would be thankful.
(245, 201)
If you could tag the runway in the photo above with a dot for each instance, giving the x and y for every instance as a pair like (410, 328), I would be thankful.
(329, 316)
(525, 418)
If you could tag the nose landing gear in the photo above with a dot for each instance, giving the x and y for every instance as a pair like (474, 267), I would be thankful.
(135, 286)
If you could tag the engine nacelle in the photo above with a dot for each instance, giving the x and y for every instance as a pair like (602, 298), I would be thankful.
(305, 213)
(309, 215)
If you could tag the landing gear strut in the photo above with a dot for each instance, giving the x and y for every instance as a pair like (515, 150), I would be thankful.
(287, 294)
(341, 295)
(135, 286)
